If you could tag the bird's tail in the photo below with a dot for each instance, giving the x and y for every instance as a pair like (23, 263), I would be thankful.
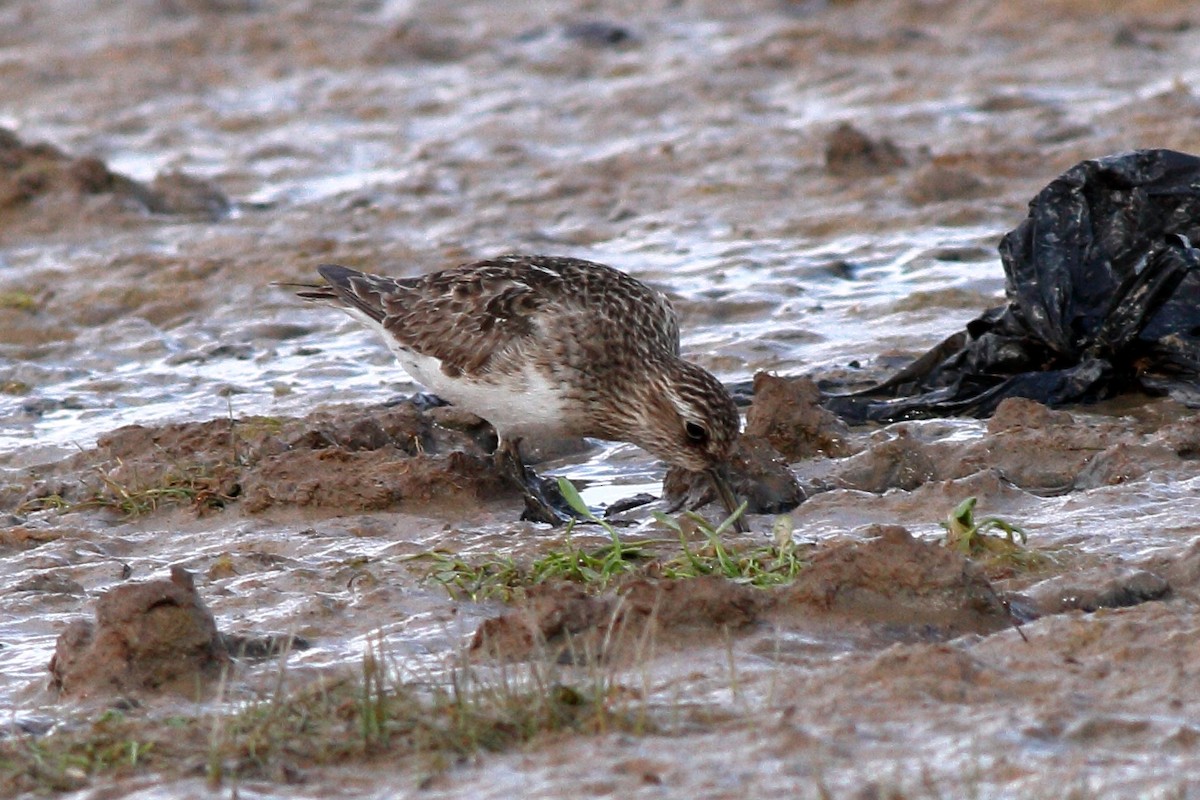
(345, 288)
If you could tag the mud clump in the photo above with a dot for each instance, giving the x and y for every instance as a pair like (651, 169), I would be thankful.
(1016, 413)
(36, 174)
(151, 636)
(902, 462)
(349, 459)
(566, 623)
(367, 481)
(935, 183)
(788, 414)
(895, 580)
(851, 153)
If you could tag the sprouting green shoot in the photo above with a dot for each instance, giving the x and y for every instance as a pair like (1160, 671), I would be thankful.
(615, 558)
(767, 565)
(970, 536)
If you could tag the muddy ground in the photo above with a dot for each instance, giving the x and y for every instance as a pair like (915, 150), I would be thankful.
(820, 187)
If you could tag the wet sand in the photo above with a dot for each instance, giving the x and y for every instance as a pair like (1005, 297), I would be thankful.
(820, 187)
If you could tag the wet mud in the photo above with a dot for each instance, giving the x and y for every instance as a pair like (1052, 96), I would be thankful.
(819, 187)
(566, 623)
(889, 582)
(351, 460)
(39, 182)
(1033, 448)
(147, 637)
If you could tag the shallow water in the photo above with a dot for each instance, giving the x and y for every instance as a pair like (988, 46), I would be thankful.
(747, 307)
(691, 156)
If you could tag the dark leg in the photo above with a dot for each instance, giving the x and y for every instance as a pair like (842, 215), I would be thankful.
(543, 501)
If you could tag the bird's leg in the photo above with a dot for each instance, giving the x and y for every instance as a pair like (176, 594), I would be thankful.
(543, 501)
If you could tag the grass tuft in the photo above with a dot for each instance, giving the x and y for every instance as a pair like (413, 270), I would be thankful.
(199, 486)
(762, 565)
(352, 719)
(502, 578)
(970, 536)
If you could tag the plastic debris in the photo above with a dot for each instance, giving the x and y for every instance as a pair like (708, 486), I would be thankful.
(1103, 288)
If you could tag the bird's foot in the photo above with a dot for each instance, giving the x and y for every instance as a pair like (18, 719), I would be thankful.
(545, 503)
(543, 500)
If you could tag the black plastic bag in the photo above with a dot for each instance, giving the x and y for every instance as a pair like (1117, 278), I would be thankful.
(1103, 287)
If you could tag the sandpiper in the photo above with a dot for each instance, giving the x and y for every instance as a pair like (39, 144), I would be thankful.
(550, 346)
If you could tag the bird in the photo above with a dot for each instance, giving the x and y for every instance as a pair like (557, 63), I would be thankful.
(549, 346)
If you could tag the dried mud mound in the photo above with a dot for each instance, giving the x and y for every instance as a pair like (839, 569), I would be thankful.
(151, 636)
(348, 460)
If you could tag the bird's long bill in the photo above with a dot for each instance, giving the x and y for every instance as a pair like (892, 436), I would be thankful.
(720, 481)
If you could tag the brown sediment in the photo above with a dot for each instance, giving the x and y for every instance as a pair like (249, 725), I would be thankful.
(565, 622)
(1026, 444)
(149, 636)
(850, 152)
(34, 177)
(889, 580)
(353, 460)
(788, 414)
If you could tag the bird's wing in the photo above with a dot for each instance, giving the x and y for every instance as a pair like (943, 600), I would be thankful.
(475, 317)
(466, 318)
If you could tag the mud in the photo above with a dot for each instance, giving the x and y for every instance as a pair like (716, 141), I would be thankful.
(351, 459)
(820, 187)
(1070, 453)
(149, 636)
(850, 152)
(889, 583)
(787, 413)
(894, 580)
(565, 623)
(355, 459)
(1111, 587)
(39, 182)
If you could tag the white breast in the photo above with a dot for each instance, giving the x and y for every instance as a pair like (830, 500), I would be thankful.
(524, 404)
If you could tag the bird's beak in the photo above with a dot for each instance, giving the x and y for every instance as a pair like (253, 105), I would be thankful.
(719, 476)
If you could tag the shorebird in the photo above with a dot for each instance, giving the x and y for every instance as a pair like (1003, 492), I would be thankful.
(549, 346)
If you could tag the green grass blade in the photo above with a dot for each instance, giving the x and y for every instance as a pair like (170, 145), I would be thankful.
(574, 500)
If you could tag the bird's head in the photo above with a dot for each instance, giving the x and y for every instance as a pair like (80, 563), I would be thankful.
(688, 419)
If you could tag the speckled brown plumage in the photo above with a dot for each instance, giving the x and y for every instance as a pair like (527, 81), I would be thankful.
(551, 345)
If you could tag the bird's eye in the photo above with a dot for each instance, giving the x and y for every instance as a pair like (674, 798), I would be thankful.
(696, 432)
